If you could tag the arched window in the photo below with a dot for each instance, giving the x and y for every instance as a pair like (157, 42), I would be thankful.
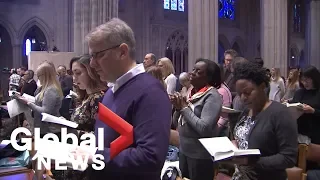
(221, 50)
(236, 47)
(34, 40)
(28, 46)
(177, 51)
(175, 5)
(227, 9)
(297, 11)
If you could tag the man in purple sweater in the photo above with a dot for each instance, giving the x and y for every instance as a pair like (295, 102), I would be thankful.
(137, 97)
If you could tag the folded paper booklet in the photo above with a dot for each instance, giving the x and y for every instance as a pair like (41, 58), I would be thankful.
(229, 110)
(297, 105)
(221, 148)
(53, 119)
(62, 152)
(72, 93)
(15, 108)
(295, 109)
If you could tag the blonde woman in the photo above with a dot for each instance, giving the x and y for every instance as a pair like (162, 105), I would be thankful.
(48, 99)
(277, 87)
(156, 72)
(167, 70)
(292, 85)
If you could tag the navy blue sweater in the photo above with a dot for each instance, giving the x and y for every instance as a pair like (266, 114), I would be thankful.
(144, 103)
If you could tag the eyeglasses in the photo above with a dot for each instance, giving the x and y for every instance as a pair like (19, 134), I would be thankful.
(95, 54)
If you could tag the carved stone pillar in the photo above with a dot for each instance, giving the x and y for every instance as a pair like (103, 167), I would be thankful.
(89, 14)
(312, 33)
(202, 30)
(17, 55)
(274, 34)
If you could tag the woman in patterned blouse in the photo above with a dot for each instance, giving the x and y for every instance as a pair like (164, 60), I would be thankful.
(265, 125)
(90, 91)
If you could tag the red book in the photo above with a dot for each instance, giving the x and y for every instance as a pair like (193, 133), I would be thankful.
(121, 126)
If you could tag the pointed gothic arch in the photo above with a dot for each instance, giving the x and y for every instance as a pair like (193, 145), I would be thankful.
(302, 62)
(293, 59)
(6, 61)
(239, 45)
(224, 41)
(177, 50)
(10, 29)
(42, 25)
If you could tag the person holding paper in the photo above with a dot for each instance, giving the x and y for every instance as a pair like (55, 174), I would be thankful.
(265, 125)
(90, 92)
(197, 116)
(47, 100)
(137, 97)
(309, 96)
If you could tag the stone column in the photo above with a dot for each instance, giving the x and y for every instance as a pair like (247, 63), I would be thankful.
(89, 14)
(17, 56)
(85, 23)
(77, 37)
(312, 33)
(274, 34)
(202, 30)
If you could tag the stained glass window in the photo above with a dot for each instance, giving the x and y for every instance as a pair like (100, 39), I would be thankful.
(166, 4)
(181, 5)
(297, 17)
(174, 5)
(227, 9)
(28, 47)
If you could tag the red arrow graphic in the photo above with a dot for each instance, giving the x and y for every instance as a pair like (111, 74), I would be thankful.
(121, 126)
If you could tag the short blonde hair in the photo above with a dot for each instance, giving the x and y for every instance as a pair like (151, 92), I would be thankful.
(113, 33)
(168, 66)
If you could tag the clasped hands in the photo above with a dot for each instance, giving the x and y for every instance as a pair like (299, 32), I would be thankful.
(178, 101)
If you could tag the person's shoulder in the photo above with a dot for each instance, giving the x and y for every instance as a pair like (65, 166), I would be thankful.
(277, 106)
(214, 93)
(52, 90)
(299, 91)
(149, 84)
(277, 110)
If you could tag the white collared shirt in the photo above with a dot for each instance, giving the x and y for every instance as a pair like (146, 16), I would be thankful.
(138, 69)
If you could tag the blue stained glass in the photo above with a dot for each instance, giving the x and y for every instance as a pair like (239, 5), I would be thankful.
(166, 4)
(227, 9)
(174, 5)
(181, 5)
(297, 17)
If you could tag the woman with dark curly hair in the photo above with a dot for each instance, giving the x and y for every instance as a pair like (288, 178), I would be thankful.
(197, 116)
(265, 125)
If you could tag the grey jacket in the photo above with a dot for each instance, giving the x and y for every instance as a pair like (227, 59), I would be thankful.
(50, 104)
(202, 123)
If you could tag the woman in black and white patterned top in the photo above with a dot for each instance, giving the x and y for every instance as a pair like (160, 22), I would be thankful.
(265, 125)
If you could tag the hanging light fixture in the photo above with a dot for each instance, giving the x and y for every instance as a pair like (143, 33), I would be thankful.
(33, 41)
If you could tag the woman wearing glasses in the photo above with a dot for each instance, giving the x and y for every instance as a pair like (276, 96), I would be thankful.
(309, 96)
